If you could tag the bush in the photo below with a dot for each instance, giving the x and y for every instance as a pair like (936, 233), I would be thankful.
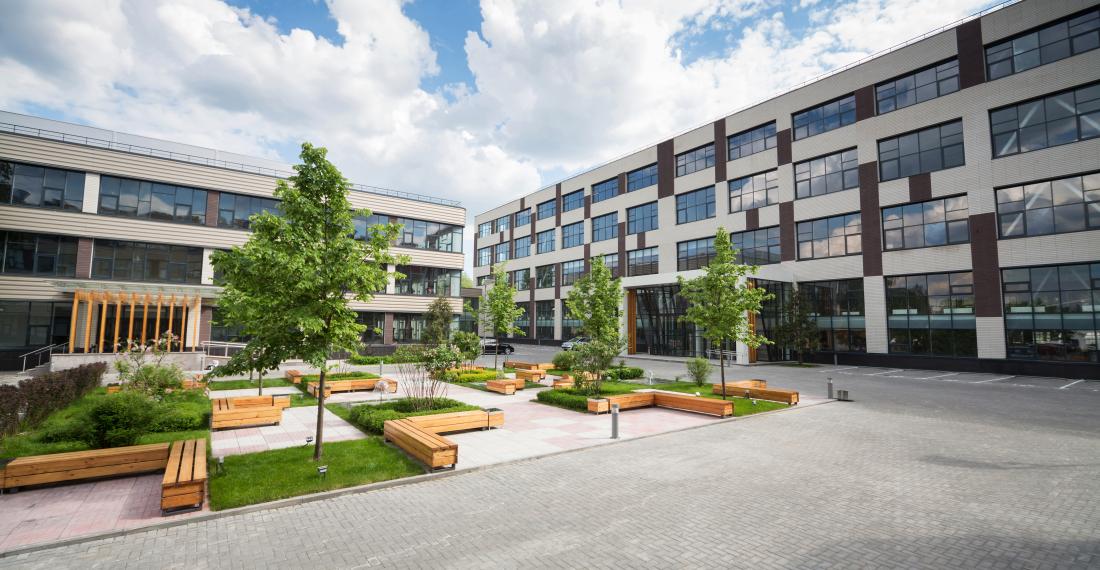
(42, 395)
(362, 359)
(565, 360)
(371, 417)
(475, 376)
(625, 373)
(699, 369)
(118, 420)
(565, 399)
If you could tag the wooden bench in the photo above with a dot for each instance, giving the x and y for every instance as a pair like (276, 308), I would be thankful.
(353, 385)
(528, 365)
(789, 397)
(421, 436)
(506, 386)
(532, 375)
(248, 411)
(198, 382)
(184, 484)
(294, 376)
(563, 383)
(627, 401)
(114, 388)
(697, 404)
(77, 465)
(743, 384)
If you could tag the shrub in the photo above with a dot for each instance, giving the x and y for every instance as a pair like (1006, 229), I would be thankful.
(371, 417)
(468, 344)
(119, 420)
(565, 399)
(42, 395)
(699, 369)
(565, 360)
(625, 373)
(475, 376)
(362, 359)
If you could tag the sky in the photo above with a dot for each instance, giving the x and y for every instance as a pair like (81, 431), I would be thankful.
(481, 102)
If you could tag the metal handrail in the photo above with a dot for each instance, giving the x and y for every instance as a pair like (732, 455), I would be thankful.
(38, 352)
(225, 346)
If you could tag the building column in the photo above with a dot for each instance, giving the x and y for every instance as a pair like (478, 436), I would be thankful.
(874, 310)
(205, 324)
(387, 329)
(991, 337)
(559, 318)
(91, 193)
(207, 277)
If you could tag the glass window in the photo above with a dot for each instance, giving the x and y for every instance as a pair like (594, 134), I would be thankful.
(1058, 119)
(611, 262)
(135, 261)
(500, 252)
(523, 217)
(234, 210)
(570, 325)
(484, 256)
(927, 150)
(548, 209)
(918, 87)
(757, 247)
(572, 201)
(407, 327)
(139, 199)
(695, 160)
(752, 141)
(837, 307)
(824, 118)
(572, 235)
(641, 178)
(39, 254)
(521, 279)
(754, 191)
(603, 190)
(571, 271)
(1047, 44)
(502, 224)
(932, 314)
(695, 205)
(605, 227)
(428, 281)
(421, 234)
(545, 241)
(641, 218)
(830, 237)
(641, 262)
(1055, 206)
(41, 187)
(544, 276)
(544, 319)
(1052, 313)
(926, 224)
(694, 254)
(523, 321)
(523, 246)
(827, 174)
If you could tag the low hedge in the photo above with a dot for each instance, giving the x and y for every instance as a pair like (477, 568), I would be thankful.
(564, 399)
(338, 376)
(624, 373)
(45, 394)
(475, 376)
(371, 417)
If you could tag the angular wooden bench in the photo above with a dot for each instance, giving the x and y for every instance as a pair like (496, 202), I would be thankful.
(683, 402)
(459, 421)
(532, 375)
(627, 401)
(77, 465)
(789, 397)
(293, 376)
(507, 387)
(183, 487)
(198, 382)
(420, 436)
(563, 383)
(353, 385)
(247, 411)
(528, 365)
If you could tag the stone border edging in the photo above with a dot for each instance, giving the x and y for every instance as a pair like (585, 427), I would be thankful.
(324, 495)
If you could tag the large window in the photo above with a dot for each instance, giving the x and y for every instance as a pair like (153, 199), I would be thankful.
(611, 262)
(521, 279)
(830, 237)
(641, 178)
(571, 271)
(570, 324)
(27, 185)
(754, 191)
(918, 87)
(523, 217)
(545, 241)
(837, 307)
(484, 256)
(1051, 207)
(572, 235)
(927, 224)
(548, 209)
(544, 319)
(422, 234)
(932, 314)
(694, 254)
(523, 321)
(234, 209)
(407, 327)
(641, 218)
(827, 174)
(824, 118)
(695, 205)
(572, 201)
(502, 223)
(26, 324)
(603, 190)
(641, 262)
(927, 150)
(428, 281)
(1053, 313)
(139, 199)
(500, 252)
(605, 227)
(1049, 43)
(757, 247)
(752, 141)
(1054, 120)
(544, 276)
(523, 246)
(484, 229)
(134, 261)
(695, 160)
(39, 254)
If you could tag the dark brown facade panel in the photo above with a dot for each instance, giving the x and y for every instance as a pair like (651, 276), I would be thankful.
(387, 328)
(783, 146)
(870, 219)
(787, 245)
(213, 199)
(557, 281)
(557, 205)
(920, 187)
(720, 149)
(84, 258)
(865, 102)
(522, 203)
(587, 257)
(622, 247)
(987, 272)
(666, 169)
(622, 183)
(511, 241)
(206, 318)
(968, 40)
(752, 219)
(641, 240)
(587, 206)
(531, 312)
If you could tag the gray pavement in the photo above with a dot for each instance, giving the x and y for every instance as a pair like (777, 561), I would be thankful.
(917, 472)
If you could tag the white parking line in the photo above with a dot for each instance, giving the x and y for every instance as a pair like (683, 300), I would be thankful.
(887, 372)
(939, 376)
(837, 369)
(992, 380)
(1071, 384)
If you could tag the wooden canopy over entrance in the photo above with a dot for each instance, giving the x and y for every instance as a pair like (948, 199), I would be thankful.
(144, 321)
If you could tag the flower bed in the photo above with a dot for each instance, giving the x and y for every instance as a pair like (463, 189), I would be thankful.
(371, 417)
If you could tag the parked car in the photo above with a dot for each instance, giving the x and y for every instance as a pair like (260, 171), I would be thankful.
(574, 342)
(490, 346)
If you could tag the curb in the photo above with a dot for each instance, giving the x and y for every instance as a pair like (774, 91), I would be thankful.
(325, 495)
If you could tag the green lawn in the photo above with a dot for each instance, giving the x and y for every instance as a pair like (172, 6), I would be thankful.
(481, 385)
(302, 400)
(338, 376)
(573, 400)
(25, 445)
(281, 473)
(243, 384)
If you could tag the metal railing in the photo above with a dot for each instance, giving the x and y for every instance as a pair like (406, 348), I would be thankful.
(42, 355)
(211, 347)
(201, 160)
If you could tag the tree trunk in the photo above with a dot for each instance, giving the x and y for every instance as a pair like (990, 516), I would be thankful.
(320, 416)
(722, 368)
(261, 382)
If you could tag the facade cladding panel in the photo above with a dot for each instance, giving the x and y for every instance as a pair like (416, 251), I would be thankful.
(944, 189)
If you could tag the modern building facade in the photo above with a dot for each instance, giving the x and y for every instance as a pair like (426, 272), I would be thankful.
(107, 237)
(939, 204)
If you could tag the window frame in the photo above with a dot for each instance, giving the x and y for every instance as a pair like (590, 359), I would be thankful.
(67, 202)
(770, 141)
(770, 192)
(946, 222)
(638, 175)
(741, 258)
(1007, 45)
(577, 236)
(828, 237)
(633, 223)
(516, 247)
(936, 80)
(600, 189)
(540, 242)
(655, 263)
(965, 289)
(541, 273)
(919, 152)
(1090, 184)
(709, 159)
(704, 253)
(613, 229)
(841, 114)
(575, 273)
(548, 209)
(570, 201)
(708, 206)
(1042, 100)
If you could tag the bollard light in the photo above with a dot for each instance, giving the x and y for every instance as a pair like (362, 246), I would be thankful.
(615, 421)
(221, 464)
(309, 439)
(830, 387)
(322, 471)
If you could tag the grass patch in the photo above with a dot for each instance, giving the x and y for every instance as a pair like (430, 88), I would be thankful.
(371, 417)
(25, 445)
(575, 400)
(302, 400)
(245, 384)
(481, 385)
(341, 411)
(278, 474)
(797, 365)
(338, 376)
(557, 371)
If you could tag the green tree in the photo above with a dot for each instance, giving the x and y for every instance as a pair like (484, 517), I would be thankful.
(595, 300)
(468, 345)
(290, 285)
(798, 329)
(437, 323)
(720, 300)
(498, 309)
(467, 281)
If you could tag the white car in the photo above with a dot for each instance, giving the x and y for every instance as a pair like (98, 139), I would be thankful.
(574, 342)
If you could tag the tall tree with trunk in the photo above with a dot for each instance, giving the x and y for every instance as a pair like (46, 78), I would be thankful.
(595, 300)
(798, 329)
(498, 309)
(721, 300)
(289, 287)
(437, 323)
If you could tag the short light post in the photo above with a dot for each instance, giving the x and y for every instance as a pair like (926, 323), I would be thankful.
(322, 471)
(615, 421)
(309, 441)
(830, 387)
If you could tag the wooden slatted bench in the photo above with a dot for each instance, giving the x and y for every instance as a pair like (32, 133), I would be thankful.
(294, 376)
(563, 383)
(77, 465)
(459, 421)
(507, 387)
(353, 385)
(248, 411)
(697, 404)
(628, 401)
(754, 383)
(528, 365)
(421, 436)
(532, 375)
(184, 484)
(198, 382)
(789, 397)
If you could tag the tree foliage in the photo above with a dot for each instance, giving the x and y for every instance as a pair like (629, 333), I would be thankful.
(499, 310)
(798, 329)
(437, 323)
(290, 285)
(595, 300)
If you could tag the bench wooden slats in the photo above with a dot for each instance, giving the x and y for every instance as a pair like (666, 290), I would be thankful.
(533, 375)
(247, 411)
(294, 376)
(353, 385)
(420, 436)
(458, 421)
(184, 482)
(76, 465)
(528, 365)
(789, 397)
(698, 404)
(507, 387)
